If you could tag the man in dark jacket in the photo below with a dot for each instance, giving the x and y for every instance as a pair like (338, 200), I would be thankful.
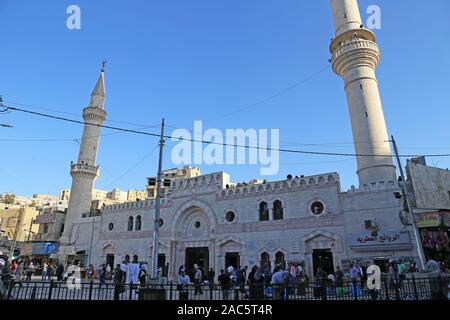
(224, 280)
(119, 282)
(59, 272)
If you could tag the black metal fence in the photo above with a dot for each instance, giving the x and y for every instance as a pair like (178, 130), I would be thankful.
(410, 289)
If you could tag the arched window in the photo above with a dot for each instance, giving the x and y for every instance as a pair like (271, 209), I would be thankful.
(130, 224)
(263, 211)
(277, 210)
(138, 224)
(265, 260)
(279, 258)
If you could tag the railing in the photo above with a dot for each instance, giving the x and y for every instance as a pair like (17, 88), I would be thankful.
(410, 289)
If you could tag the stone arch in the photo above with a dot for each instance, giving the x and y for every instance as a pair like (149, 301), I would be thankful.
(264, 258)
(280, 256)
(188, 208)
(108, 248)
(277, 209)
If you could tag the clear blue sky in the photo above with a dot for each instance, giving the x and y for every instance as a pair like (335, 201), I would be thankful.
(194, 60)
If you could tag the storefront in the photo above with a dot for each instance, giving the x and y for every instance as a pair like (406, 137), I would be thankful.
(385, 246)
(44, 252)
(434, 230)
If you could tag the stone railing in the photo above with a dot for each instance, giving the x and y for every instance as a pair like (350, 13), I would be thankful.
(94, 114)
(355, 52)
(352, 45)
(84, 169)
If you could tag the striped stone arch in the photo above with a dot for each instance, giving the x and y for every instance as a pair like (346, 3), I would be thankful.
(190, 206)
(108, 245)
(163, 247)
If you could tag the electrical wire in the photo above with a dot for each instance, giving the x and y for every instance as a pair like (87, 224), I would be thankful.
(223, 144)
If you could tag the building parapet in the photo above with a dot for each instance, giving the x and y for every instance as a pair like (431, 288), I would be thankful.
(375, 186)
(211, 181)
(135, 205)
(288, 185)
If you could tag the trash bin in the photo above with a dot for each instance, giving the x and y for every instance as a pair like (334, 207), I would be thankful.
(152, 294)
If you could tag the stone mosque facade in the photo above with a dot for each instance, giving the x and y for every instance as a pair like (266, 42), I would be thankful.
(211, 221)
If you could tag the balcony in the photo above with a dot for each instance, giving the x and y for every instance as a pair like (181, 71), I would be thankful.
(83, 169)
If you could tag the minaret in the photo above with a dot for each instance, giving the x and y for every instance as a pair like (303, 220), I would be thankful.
(85, 171)
(355, 56)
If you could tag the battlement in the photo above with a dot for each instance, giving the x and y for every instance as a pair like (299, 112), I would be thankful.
(374, 186)
(288, 185)
(204, 183)
(136, 205)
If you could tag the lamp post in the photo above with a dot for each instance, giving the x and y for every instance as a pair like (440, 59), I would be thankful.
(157, 221)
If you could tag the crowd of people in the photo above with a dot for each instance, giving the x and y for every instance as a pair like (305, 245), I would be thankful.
(284, 281)
(256, 283)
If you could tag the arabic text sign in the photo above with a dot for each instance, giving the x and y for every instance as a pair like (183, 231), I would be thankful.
(429, 219)
(386, 238)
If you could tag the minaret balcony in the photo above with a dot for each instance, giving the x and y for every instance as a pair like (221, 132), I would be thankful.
(354, 53)
(84, 170)
(94, 114)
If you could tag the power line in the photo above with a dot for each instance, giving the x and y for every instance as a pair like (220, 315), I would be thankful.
(223, 144)
(286, 143)
(271, 97)
(131, 168)
(144, 126)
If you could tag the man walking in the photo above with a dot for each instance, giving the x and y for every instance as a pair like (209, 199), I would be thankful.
(119, 282)
(59, 272)
(198, 280)
(224, 281)
(183, 285)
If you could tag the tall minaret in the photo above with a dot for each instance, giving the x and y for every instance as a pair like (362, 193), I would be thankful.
(355, 56)
(85, 171)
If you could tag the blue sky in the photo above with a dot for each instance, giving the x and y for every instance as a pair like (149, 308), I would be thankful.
(195, 60)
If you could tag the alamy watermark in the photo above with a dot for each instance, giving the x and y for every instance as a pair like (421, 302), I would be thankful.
(373, 277)
(74, 277)
(374, 20)
(73, 21)
(235, 146)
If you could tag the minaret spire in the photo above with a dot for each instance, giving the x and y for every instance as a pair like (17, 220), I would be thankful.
(355, 55)
(98, 94)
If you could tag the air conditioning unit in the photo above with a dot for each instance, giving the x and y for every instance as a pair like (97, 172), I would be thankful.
(370, 225)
